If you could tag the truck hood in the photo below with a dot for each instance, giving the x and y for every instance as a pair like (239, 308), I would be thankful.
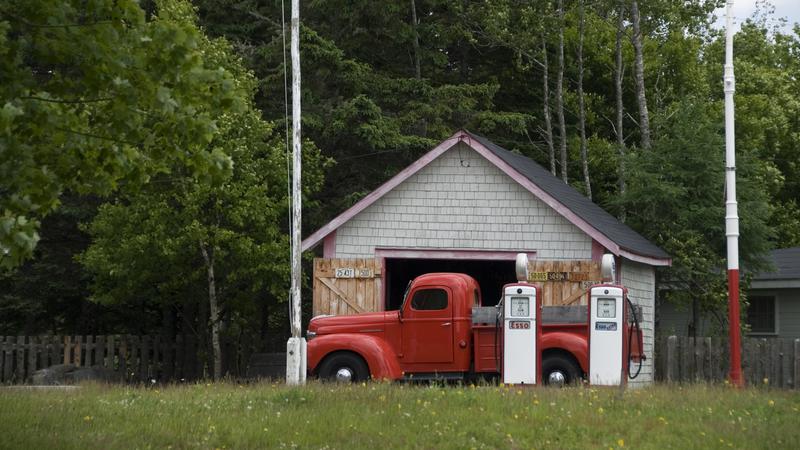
(357, 323)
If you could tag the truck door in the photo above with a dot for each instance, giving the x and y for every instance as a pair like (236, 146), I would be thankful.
(427, 328)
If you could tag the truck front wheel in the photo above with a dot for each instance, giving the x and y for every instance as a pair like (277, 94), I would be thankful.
(558, 370)
(344, 367)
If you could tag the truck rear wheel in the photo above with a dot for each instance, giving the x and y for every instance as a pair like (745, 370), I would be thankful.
(344, 368)
(559, 370)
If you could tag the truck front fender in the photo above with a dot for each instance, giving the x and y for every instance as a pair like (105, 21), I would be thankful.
(569, 342)
(377, 353)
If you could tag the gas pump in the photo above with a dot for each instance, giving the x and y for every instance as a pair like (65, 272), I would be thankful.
(521, 329)
(615, 337)
(607, 346)
(613, 342)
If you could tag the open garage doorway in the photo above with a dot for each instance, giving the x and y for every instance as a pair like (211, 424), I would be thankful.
(490, 274)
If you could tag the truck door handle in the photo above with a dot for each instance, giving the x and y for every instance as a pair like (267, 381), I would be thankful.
(447, 324)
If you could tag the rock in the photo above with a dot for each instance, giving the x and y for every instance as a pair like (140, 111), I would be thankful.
(70, 374)
(93, 373)
(51, 376)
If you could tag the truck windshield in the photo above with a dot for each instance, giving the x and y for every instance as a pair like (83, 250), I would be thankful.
(405, 295)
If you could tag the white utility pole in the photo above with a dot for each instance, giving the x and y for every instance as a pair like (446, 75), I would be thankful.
(731, 209)
(296, 346)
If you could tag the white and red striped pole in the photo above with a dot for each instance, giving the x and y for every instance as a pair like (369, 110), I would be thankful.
(731, 209)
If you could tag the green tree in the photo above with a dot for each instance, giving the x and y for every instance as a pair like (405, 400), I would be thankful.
(48, 294)
(675, 196)
(363, 104)
(176, 239)
(767, 112)
(94, 95)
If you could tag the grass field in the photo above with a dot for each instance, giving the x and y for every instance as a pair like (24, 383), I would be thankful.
(375, 415)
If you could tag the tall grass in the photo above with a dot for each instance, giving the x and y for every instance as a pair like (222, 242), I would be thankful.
(376, 415)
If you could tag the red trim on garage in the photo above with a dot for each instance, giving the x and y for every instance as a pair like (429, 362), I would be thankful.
(597, 251)
(329, 245)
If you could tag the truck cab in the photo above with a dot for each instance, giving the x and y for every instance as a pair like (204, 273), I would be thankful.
(429, 334)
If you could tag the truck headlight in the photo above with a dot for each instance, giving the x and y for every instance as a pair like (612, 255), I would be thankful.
(310, 335)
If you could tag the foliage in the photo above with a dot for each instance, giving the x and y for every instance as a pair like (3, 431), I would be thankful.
(48, 293)
(148, 245)
(95, 95)
(109, 97)
(767, 111)
(676, 196)
(262, 415)
(362, 105)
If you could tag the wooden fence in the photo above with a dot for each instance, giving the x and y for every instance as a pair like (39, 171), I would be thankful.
(765, 361)
(131, 358)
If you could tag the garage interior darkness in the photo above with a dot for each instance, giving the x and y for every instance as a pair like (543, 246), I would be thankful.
(491, 276)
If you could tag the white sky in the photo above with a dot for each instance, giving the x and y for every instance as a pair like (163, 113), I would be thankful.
(742, 9)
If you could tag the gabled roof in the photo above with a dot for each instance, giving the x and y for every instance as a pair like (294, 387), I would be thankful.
(787, 270)
(615, 236)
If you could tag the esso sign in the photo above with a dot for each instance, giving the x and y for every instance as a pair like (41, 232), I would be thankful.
(519, 325)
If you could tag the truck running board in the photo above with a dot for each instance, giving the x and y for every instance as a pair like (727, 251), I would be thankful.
(433, 376)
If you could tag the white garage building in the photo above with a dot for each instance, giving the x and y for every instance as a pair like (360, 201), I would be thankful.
(470, 206)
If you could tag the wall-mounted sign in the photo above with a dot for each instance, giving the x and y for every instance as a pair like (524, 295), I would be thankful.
(537, 276)
(345, 272)
(350, 272)
(559, 276)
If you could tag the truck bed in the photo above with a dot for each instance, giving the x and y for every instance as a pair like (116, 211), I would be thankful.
(487, 315)
(488, 344)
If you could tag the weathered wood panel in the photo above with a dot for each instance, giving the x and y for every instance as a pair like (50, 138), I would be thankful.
(351, 286)
(346, 286)
(771, 362)
(564, 282)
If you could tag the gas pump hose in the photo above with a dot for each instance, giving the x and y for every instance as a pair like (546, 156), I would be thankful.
(497, 334)
(630, 341)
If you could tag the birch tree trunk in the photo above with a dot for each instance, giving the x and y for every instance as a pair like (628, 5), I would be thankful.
(417, 70)
(560, 92)
(422, 125)
(644, 117)
(548, 124)
(214, 309)
(581, 105)
(620, 107)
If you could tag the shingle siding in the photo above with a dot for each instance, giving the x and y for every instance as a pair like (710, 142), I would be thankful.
(674, 320)
(788, 310)
(462, 201)
(641, 283)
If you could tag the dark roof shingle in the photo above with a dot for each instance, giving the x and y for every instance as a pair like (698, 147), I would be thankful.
(787, 265)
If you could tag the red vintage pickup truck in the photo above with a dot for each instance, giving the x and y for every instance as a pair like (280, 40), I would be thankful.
(440, 332)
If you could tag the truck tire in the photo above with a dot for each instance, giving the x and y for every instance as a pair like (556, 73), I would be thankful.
(344, 367)
(560, 370)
